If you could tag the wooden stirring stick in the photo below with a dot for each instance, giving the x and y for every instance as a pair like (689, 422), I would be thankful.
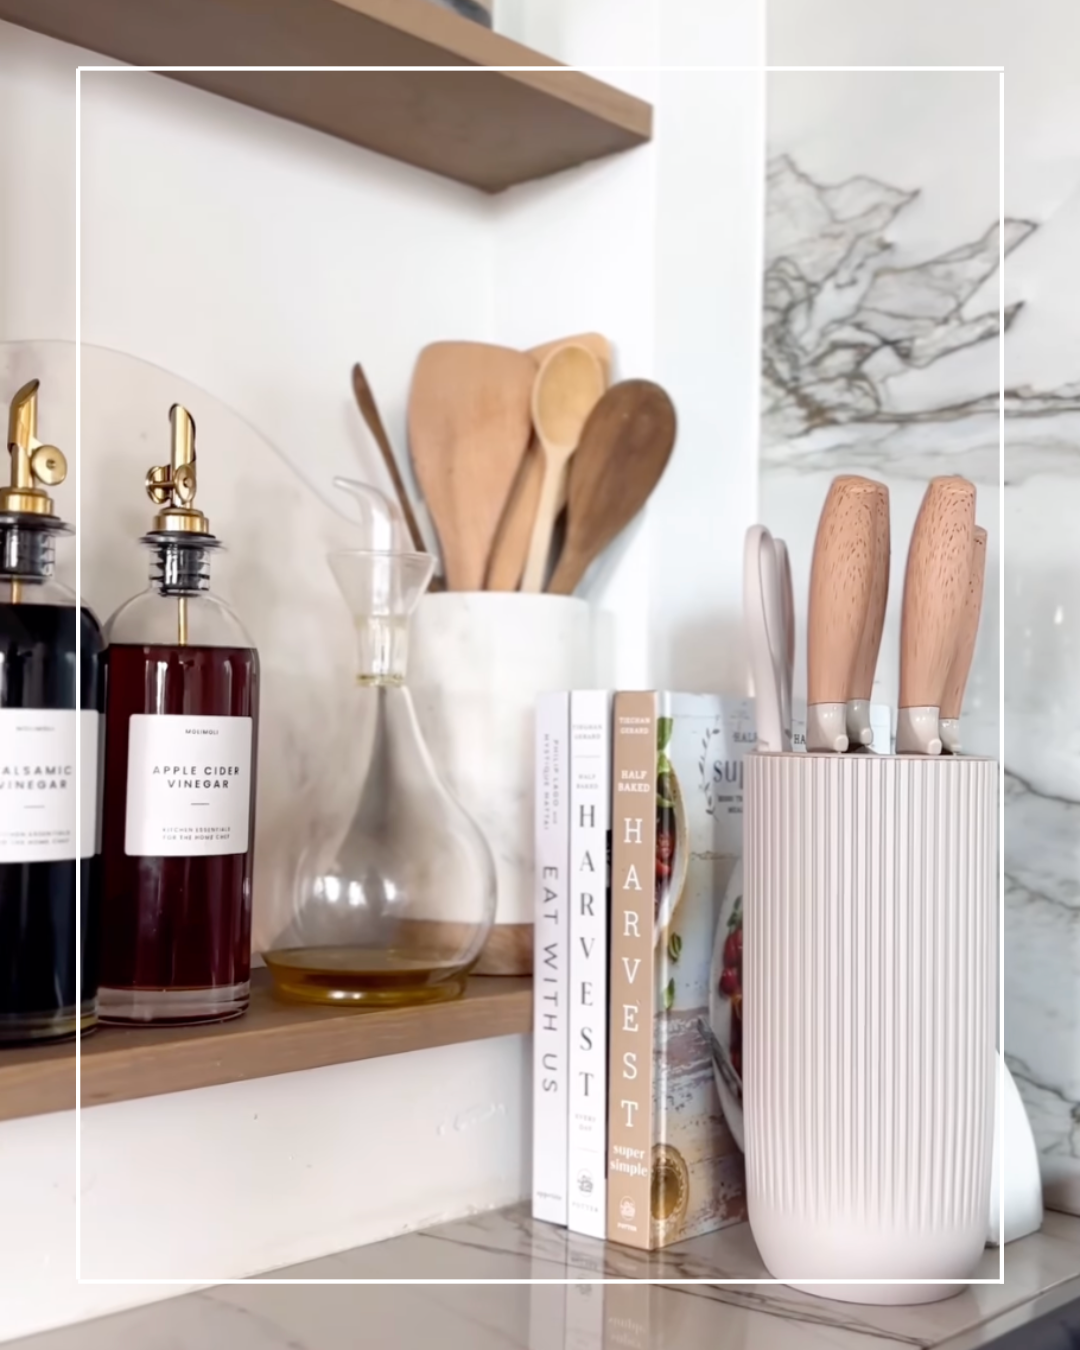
(369, 411)
(952, 700)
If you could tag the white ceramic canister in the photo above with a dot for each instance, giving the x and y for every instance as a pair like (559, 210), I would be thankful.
(870, 990)
(477, 662)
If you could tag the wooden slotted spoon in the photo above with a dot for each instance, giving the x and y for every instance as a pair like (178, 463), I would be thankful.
(624, 449)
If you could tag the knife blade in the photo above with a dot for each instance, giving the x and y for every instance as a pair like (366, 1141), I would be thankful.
(787, 608)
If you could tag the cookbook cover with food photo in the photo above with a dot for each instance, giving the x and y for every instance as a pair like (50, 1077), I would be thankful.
(674, 1164)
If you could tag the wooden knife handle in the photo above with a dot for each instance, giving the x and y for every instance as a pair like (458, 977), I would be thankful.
(936, 586)
(952, 699)
(840, 581)
(862, 678)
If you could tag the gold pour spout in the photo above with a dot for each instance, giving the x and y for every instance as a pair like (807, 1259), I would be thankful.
(172, 486)
(34, 466)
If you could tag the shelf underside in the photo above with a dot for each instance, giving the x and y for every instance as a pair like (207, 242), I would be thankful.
(489, 128)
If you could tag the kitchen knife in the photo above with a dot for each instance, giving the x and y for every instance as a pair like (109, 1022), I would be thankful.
(862, 680)
(840, 579)
(936, 585)
(787, 654)
(952, 699)
(763, 619)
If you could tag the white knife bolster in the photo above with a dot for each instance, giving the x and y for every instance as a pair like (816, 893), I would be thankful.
(949, 731)
(826, 727)
(859, 730)
(917, 731)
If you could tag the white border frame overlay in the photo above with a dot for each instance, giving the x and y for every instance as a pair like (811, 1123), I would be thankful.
(462, 72)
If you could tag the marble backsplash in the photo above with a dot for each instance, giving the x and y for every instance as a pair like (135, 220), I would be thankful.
(882, 356)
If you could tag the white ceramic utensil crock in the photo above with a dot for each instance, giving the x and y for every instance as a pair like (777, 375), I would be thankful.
(477, 661)
(868, 1039)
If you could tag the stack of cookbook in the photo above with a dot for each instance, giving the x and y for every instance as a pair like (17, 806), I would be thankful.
(638, 1019)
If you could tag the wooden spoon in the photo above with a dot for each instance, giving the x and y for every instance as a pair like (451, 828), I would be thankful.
(511, 544)
(625, 447)
(567, 388)
(595, 342)
(469, 426)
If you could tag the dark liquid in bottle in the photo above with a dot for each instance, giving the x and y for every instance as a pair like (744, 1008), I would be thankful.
(37, 899)
(173, 923)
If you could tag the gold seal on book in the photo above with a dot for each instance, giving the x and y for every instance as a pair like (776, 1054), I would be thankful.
(669, 1193)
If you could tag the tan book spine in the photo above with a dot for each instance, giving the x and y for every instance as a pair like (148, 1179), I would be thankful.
(633, 891)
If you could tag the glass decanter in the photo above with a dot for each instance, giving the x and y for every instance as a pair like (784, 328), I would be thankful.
(395, 906)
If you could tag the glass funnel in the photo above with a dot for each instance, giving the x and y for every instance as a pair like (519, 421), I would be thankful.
(396, 906)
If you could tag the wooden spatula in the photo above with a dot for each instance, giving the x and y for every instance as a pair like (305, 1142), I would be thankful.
(936, 586)
(469, 426)
(568, 386)
(840, 579)
(952, 700)
(624, 448)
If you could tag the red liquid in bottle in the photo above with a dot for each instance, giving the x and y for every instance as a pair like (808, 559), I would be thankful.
(171, 925)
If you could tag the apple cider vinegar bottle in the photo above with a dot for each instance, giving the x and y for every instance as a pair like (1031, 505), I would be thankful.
(181, 720)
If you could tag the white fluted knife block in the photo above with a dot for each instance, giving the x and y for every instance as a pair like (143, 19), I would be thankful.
(868, 1027)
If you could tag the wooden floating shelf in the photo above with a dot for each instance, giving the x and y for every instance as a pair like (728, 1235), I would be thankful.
(490, 129)
(119, 1064)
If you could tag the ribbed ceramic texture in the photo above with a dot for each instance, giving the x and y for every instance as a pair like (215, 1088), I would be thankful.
(870, 945)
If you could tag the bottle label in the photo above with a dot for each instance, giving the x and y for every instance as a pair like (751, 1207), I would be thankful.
(188, 786)
(91, 766)
(38, 784)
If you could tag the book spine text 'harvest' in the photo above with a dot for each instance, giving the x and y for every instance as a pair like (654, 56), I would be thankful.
(633, 891)
(590, 805)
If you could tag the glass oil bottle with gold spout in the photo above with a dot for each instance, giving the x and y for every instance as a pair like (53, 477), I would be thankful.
(50, 700)
(181, 722)
(394, 898)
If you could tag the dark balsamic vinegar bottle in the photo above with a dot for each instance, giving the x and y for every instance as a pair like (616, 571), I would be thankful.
(49, 699)
(181, 718)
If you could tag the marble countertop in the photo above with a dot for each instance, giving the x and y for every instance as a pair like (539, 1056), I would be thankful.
(1040, 1272)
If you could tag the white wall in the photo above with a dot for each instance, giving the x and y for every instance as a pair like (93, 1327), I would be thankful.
(918, 33)
(261, 260)
(246, 1178)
